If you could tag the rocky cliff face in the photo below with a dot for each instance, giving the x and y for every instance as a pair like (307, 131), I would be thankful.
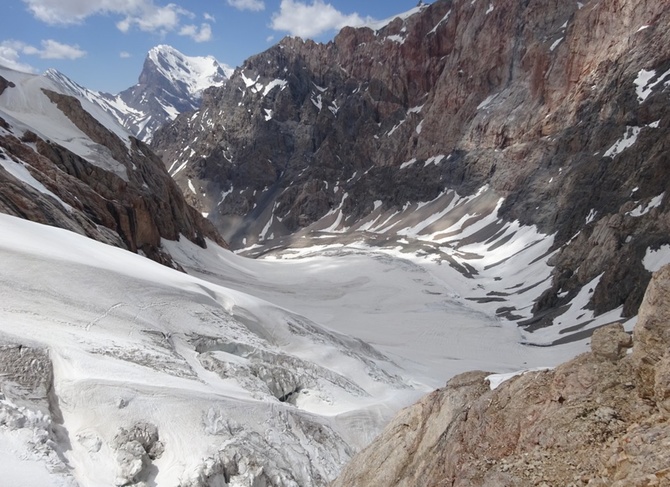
(112, 190)
(561, 109)
(599, 420)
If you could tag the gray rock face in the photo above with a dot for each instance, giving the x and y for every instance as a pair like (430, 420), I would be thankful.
(561, 108)
(600, 419)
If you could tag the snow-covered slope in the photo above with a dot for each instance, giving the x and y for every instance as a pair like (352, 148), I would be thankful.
(158, 376)
(234, 386)
(502, 268)
(170, 83)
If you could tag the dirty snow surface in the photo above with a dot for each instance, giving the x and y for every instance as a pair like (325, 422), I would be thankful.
(241, 372)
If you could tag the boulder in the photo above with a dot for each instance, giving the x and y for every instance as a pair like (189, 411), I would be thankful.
(652, 332)
(611, 342)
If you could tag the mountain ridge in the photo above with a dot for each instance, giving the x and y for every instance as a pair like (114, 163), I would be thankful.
(534, 105)
(508, 159)
(169, 83)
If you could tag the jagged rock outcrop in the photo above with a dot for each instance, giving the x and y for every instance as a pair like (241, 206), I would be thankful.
(652, 334)
(560, 108)
(599, 420)
(120, 195)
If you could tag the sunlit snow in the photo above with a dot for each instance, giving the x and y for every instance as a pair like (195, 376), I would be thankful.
(487, 101)
(442, 21)
(26, 106)
(654, 259)
(555, 44)
(407, 164)
(644, 208)
(643, 84)
(629, 138)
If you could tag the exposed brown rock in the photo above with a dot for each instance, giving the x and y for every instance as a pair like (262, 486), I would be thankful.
(662, 385)
(652, 332)
(611, 342)
(415, 435)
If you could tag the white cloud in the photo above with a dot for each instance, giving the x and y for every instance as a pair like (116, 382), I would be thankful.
(154, 19)
(305, 20)
(11, 52)
(209, 17)
(125, 55)
(75, 11)
(142, 14)
(253, 5)
(202, 35)
(55, 50)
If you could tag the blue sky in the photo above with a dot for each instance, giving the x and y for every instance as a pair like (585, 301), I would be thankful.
(102, 44)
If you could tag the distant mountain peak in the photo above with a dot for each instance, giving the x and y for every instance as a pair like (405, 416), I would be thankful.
(196, 73)
(170, 83)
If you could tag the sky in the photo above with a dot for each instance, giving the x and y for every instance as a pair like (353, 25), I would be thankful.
(102, 44)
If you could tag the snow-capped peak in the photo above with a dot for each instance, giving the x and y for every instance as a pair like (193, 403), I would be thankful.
(170, 83)
(195, 72)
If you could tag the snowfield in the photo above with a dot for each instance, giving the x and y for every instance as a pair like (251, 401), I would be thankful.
(224, 378)
(241, 371)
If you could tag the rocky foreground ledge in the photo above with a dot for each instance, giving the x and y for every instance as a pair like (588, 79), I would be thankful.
(601, 419)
